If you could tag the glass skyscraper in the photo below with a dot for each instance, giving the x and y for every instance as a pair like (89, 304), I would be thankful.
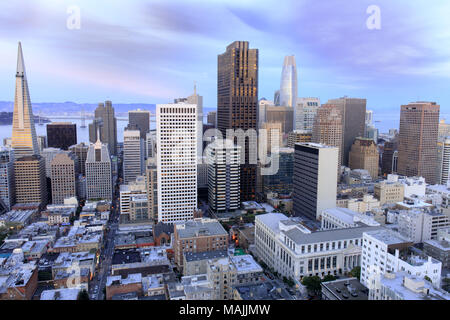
(288, 87)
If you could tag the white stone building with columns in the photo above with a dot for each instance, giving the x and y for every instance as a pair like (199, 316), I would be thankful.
(294, 251)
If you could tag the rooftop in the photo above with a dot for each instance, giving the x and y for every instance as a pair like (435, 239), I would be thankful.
(411, 288)
(60, 294)
(245, 264)
(300, 237)
(387, 236)
(346, 289)
(263, 291)
(195, 256)
(200, 227)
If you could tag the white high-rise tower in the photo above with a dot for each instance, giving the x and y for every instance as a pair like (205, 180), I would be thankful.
(176, 135)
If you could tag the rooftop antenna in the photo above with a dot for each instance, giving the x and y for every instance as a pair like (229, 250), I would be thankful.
(195, 88)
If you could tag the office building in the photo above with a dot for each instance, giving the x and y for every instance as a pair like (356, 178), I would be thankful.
(7, 184)
(98, 172)
(80, 150)
(198, 101)
(63, 177)
(353, 111)
(127, 191)
(288, 86)
(444, 129)
(262, 105)
(139, 208)
(106, 122)
(298, 136)
(364, 155)
(151, 175)
(42, 142)
(237, 104)
(61, 135)
(223, 159)
(282, 181)
(31, 183)
(23, 141)
(418, 136)
(445, 164)
(328, 128)
(133, 155)
(150, 144)
(49, 154)
(211, 118)
(281, 114)
(140, 119)
(369, 117)
(315, 179)
(176, 132)
(389, 192)
(273, 135)
(305, 113)
(388, 156)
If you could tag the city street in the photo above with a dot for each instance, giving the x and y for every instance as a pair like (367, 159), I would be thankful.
(98, 282)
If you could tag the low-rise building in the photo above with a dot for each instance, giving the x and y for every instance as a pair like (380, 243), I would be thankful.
(387, 251)
(119, 285)
(197, 262)
(198, 235)
(344, 289)
(18, 279)
(269, 290)
(61, 294)
(439, 248)
(389, 191)
(337, 218)
(162, 233)
(404, 286)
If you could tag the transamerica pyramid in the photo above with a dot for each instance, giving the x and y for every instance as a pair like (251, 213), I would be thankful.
(24, 141)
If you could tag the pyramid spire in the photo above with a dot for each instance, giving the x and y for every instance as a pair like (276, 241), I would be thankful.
(24, 140)
(20, 62)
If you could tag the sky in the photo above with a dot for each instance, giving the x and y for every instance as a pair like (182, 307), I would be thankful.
(139, 51)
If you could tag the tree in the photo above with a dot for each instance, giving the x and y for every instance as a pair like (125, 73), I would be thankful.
(289, 281)
(83, 295)
(356, 272)
(428, 279)
(312, 284)
(329, 277)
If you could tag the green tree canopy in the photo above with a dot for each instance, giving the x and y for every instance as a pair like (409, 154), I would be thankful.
(356, 272)
(312, 284)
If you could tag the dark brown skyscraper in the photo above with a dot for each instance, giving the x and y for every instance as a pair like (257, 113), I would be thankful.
(61, 135)
(140, 119)
(237, 102)
(106, 122)
(388, 156)
(417, 147)
(353, 112)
